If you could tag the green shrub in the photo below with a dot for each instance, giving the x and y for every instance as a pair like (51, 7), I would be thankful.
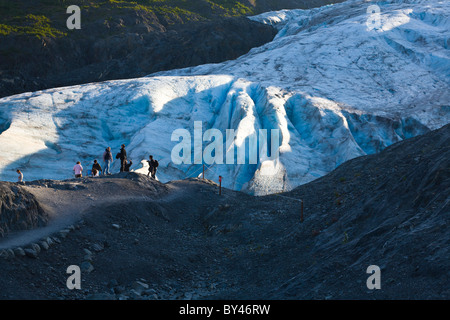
(33, 25)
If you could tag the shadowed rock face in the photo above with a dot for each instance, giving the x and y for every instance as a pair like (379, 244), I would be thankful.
(19, 210)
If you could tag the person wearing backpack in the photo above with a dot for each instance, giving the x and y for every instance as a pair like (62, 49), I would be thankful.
(152, 167)
(122, 155)
(107, 158)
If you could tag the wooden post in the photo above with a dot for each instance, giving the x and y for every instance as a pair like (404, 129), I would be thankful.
(203, 171)
(301, 212)
(220, 185)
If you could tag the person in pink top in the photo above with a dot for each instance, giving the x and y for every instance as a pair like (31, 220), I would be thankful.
(78, 169)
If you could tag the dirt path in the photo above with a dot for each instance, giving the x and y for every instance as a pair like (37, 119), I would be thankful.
(65, 207)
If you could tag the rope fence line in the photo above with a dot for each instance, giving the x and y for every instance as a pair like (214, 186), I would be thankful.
(300, 200)
(192, 174)
(197, 172)
(276, 194)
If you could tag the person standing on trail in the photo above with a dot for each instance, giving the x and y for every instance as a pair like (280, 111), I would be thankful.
(107, 158)
(78, 169)
(20, 178)
(96, 166)
(152, 165)
(122, 155)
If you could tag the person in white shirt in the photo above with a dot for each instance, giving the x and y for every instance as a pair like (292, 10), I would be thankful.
(78, 169)
(95, 173)
(20, 178)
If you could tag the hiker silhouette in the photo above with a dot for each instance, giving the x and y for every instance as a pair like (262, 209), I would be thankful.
(152, 167)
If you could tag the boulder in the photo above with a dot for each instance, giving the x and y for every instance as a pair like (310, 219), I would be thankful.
(139, 286)
(31, 253)
(87, 267)
(19, 252)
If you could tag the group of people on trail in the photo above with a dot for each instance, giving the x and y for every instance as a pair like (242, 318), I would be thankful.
(108, 158)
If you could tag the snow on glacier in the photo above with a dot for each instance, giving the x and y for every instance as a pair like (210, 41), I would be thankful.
(334, 88)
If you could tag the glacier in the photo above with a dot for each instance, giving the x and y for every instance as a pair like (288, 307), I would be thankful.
(335, 89)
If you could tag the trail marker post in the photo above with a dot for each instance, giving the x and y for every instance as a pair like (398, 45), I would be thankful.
(220, 185)
(301, 212)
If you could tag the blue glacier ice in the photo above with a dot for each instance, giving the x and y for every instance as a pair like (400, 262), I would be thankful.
(334, 88)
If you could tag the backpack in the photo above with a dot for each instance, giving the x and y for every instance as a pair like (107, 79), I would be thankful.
(153, 164)
(118, 155)
(107, 156)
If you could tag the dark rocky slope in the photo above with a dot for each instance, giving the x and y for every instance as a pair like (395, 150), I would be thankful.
(390, 209)
(140, 239)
